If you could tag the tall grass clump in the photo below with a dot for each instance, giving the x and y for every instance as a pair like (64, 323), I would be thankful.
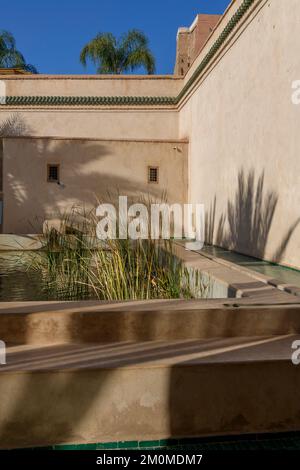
(140, 270)
(65, 261)
(76, 265)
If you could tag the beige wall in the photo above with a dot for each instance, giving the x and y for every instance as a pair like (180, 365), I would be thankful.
(240, 118)
(237, 116)
(93, 123)
(92, 85)
(123, 122)
(88, 169)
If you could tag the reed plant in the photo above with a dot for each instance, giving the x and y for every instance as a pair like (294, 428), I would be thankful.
(75, 265)
(65, 260)
(140, 270)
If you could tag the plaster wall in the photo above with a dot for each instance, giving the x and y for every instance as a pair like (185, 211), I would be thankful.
(243, 156)
(244, 135)
(89, 170)
(142, 122)
(92, 85)
(99, 123)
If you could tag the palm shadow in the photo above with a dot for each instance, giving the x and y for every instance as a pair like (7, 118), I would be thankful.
(41, 392)
(81, 176)
(245, 226)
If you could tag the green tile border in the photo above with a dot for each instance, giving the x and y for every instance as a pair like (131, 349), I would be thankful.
(89, 101)
(135, 100)
(278, 441)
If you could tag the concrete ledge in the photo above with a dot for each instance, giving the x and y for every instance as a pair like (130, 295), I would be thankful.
(212, 388)
(240, 280)
(54, 322)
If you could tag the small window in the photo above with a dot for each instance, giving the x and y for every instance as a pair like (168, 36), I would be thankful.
(152, 174)
(53, 173)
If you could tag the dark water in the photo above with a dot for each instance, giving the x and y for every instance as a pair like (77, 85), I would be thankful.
(19, 282)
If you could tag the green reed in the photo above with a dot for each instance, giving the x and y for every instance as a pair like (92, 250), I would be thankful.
(75, 265)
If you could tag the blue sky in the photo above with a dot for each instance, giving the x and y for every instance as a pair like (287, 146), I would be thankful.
(51, 33)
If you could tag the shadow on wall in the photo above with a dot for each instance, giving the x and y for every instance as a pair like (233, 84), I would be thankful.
(52, 407)
(86, 182)
(14, 125)
(246, 225)
(218, 393)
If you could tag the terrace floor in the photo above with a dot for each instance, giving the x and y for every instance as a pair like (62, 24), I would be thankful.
(70, 356)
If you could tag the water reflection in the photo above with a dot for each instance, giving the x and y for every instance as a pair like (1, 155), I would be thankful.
(275, 271)
(20, 282)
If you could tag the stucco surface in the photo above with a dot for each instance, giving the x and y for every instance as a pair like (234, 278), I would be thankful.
(244, 137)
(90, 171)
(167, 390)
(243, 154)
(98, 123)
(93, 85)
(94, 322)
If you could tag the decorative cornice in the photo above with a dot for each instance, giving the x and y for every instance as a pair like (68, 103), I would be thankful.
(136, 100)
(89, 100)
(97, 139)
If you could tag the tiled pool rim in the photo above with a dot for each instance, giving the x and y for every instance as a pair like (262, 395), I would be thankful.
(277, 441)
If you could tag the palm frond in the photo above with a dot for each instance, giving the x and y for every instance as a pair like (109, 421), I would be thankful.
(141, 57)
(30, 68)
(101, 51)
(133, 39)
(10, 57)
(7, 41)
(114, 56)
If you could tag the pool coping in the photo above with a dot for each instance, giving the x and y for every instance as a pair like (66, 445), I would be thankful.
(250, 288)
(241, 282)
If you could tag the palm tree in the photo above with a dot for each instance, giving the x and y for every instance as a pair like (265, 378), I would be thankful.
(116, 56)
(10, 57)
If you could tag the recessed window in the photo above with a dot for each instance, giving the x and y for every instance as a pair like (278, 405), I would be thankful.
(152, 174)
(53, 173)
